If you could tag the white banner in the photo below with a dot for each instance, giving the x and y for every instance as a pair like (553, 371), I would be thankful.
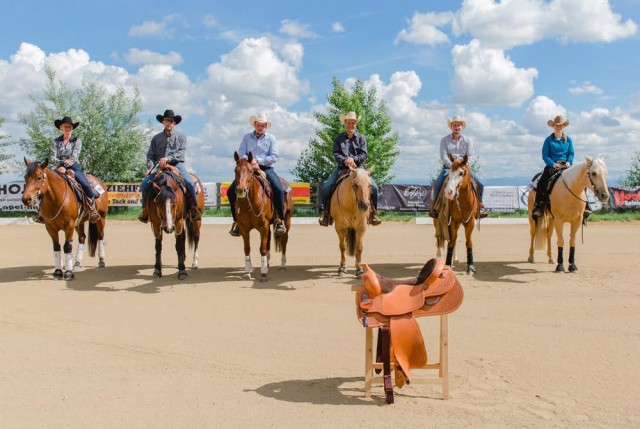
(210, 194)
(501, 198)
(11, 195)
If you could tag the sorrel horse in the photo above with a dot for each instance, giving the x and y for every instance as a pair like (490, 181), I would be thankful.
(567, 202)
(167, 208)
(255, 211)
(461, 207)
(350, 205)
(63, 212)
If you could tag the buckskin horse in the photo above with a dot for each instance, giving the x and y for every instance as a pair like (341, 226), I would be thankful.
(350, 205)
(167, 208)
(255, 211)
(461, 208)
(567, 201)
(62, 211)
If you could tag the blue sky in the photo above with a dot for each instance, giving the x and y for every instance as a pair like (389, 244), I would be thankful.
(506, 66)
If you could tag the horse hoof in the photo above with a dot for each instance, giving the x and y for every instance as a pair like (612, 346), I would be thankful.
(194, 267)
(101, 263)
(157, 273)
(342, 272)
(182, 275)
(283, 268)
(57, 274)
(560, 268)
(263, 278)
(551, 261)
(68, 275)
(471, 269)
(573, 268)
(77, 264)
(247, 276)
(359, 272)
(530, 260)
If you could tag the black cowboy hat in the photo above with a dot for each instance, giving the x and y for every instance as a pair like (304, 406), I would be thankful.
(169, 114)
(66, 120)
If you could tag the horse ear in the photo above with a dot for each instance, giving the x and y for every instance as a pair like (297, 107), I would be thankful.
(236, 156)
(451, 157)
(465, 158)
(44, 163)
(25, 161)
(588, 159)
(250, 157)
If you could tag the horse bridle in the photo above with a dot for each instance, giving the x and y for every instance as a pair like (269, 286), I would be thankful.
(39, 195)
(593, 185)
(264, 200)
(458, 202)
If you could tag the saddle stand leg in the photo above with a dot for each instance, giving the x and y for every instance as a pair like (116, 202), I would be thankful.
(386, 364)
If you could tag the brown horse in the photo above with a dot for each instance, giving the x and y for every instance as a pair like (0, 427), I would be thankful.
(167, 209)
(350, 205)
(461, 207)
(567, 202)
(254, 211)
(63, 212)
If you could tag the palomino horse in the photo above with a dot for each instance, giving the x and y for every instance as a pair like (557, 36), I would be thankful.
(350, 205)
(255, 211)
(62, 212)
(167, 210)
(567, 202)
(461, 208)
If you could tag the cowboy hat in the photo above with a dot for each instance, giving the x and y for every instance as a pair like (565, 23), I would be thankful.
(457, 118)
(351, 115)
(260, 118)
(558, 120)
(66, 120)
(169, 114)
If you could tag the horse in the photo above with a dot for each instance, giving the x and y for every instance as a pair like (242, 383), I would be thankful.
(350, 205)
(567, 202)
(61, 211)
(461, 208)
(167, 208)
(255, 211)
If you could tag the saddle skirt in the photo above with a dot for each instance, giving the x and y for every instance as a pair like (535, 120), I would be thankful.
(396, 303)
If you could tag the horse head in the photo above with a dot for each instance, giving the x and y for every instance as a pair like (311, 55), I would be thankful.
(361, 184)
(168, 201)
(597, 174)
(459, 176)
(35, 182)
(244, 174)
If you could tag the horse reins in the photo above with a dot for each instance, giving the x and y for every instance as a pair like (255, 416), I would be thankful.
(39, 197)
(264, 200)
(475, 202)
(593, 185)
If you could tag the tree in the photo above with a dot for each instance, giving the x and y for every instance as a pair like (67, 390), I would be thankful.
(113, 140)
(316, 162)
(632, 176)
(5, 158)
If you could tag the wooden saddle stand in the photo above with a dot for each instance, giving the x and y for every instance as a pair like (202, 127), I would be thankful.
(393, 306)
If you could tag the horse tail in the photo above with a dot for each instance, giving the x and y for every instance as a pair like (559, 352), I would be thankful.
(351, 241)
(279, 242)
(93, 239)
(190, 232)
(541, 232)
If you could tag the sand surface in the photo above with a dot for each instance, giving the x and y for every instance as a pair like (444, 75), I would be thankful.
(116, 348)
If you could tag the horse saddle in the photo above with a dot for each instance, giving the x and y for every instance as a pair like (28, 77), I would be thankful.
(552, 180)
(175, 174)
(393, 306)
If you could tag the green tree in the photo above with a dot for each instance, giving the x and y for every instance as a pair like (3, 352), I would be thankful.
(113, 140)
(316, 162)
(632, 176)
(5, 158)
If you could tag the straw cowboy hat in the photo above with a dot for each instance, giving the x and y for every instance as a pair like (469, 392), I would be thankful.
(457, 118)
(558, 120)
(66, 120)
(351, 115)
(168, 114)
(260, 118)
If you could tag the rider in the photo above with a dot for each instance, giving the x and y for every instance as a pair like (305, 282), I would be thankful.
(168, 147)
(557, 154)
(349, 150)
(458, 145)
(264, 147)
(65, 153)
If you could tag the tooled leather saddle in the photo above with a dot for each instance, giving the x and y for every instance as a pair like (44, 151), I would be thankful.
(394, 304)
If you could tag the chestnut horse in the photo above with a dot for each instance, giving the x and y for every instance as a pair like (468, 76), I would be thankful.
(350, 205)
(567, 202)
(461, 207)
(61, 211)
(167, 209)
(255, 211)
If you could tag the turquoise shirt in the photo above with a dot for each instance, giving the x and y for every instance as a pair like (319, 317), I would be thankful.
(554, 150)
(264, 149)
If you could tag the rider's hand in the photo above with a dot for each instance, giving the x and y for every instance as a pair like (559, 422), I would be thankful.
(61, 170)
(349, 162)
(162, 162)
(68, 163)
(255, 165)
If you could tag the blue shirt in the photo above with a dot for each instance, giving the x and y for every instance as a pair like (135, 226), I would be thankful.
(554, 150)
(264, 149)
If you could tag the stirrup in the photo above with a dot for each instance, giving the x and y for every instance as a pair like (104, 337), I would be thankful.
(143, 217)
(324, 220)
(195, 215)
(235, 231)
(433, 213)
(375, 220)
(280, 229)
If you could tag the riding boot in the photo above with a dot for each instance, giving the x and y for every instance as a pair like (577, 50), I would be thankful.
(279, 227)
(325, 219)
(482, 211)
(538, 208)
(586, 213)
(143, 216)
(235, 231)
(194, 212)
(94, 216)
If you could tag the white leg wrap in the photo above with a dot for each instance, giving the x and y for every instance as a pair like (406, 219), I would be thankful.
(101, 248)
(283, 261)
(57, 260)
(68, 261)
(80, 252)
(196, 259)
(247, 264)
(264, 269)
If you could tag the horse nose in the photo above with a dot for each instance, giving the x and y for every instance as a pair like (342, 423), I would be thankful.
(26, 201)
(169, 229)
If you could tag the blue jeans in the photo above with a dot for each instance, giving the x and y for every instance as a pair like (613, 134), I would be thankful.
(186, 177)
(276, 187)
(440, 181)
(333, 178)
(83, 181)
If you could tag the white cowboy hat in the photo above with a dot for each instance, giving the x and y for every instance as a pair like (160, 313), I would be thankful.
(457, 118)
(260, 118)
(558, 120)
(351, 115)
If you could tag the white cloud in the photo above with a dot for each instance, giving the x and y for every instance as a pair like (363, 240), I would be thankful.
(586, 88)
(210, 21)
(423, 29)
(539, 111)
(337, 27)
(487, 76)
(296, 29)
(145, 56)
(154, 29)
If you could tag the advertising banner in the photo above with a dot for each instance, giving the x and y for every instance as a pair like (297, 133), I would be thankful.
(501, 198)
(301, 192)
(399, 198)
(11, 196)
(621, 199)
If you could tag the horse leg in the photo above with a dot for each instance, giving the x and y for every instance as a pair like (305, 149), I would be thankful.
(560, 266)
(342, 242)
(550, 227)
(247, 256)
(572, 247)
(532, 233)
(57, 256)
(265, 242)
(182, 255)
(81, 247)
(196, 240)
(451, 245)
(100, 227)
(68, 257)
(157, 268)
(468, 232)
(359, 247)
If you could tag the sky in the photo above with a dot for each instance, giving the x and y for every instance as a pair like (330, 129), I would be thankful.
(506, 66)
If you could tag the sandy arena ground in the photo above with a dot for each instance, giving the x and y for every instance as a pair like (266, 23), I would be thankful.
(118, 349)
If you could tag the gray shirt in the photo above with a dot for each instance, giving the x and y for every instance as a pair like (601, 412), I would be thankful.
(350, 147)
(172, 146)
(61, 152)
(458, 148)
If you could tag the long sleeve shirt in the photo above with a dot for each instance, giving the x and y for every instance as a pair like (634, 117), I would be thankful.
(264, 149)
(69, 152)
(458, 148)
(554, 150)
(172, 146)
(350, 147)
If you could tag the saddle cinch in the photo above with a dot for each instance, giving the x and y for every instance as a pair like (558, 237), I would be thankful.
(394, 304)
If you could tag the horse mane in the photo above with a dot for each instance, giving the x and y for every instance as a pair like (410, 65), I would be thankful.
(166, 190)
(457, 164)
(32, 167)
